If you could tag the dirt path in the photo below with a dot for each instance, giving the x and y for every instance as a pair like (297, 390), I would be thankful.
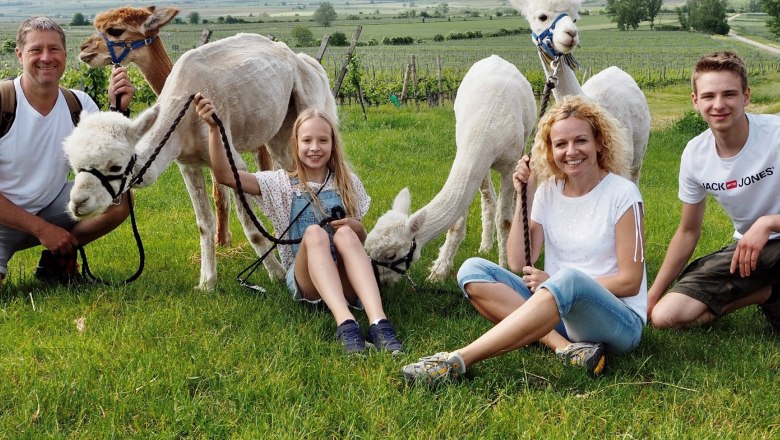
(774, 49)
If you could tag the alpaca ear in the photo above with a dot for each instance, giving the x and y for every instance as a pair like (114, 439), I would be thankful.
(402, 201)
(143, 122)
(159, 18)
(416, 221)
(519, 4)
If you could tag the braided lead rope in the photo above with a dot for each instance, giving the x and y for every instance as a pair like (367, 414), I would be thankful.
(549, 85)
(139, 178)
(240, 190)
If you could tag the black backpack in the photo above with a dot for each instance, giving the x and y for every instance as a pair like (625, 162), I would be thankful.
(8, 105)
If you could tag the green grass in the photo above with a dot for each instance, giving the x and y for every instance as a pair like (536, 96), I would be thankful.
(158, 359)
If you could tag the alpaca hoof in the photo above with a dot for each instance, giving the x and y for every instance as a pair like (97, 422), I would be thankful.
(223, 240)
(207, 285)
(438, 275)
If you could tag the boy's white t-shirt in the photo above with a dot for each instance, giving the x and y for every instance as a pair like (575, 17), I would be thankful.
(747, 185)
(579, 232)
(33, 166)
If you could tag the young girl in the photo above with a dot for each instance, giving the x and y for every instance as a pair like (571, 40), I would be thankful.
(330, 264)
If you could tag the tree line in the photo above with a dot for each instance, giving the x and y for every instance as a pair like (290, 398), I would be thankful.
(708, 16)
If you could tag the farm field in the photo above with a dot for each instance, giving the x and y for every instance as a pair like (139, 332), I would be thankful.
(160, 359)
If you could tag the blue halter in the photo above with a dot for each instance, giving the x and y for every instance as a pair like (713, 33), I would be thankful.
(544, 40)
(126, 46)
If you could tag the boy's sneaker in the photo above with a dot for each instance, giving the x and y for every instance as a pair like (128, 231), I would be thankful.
(58, 269)
(772, 313)
(382, 335)
(590, 355)
(348, 333)
(430, 370)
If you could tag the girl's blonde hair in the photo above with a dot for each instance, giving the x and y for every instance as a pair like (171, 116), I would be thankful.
(337, 164)
(607, 133)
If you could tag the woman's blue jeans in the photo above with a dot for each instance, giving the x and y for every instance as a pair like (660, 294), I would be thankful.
(589, 312)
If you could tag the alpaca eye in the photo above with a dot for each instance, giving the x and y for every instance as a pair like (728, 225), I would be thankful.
(115, 169)
(114, 32)
(543, 17)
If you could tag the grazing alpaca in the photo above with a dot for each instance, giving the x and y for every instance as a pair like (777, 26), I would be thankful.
(129, 24)
(258, 88)
(495, 111)
(612, 88)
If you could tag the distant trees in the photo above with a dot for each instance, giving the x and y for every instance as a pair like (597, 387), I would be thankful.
(303, 36)
(79, 20)
(707, 16)
(338, 39)
(193, 17)
(325, 14)
(772, 7)
(629, 13)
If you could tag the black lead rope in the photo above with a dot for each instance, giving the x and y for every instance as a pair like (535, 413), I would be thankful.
(337, 213)
(125, 185)
(87, 273)
(549, 85)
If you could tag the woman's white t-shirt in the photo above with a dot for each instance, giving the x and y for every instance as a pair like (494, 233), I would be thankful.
(579, 232)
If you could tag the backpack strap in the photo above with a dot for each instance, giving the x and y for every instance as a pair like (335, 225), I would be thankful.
(7, 105)
(74, 105)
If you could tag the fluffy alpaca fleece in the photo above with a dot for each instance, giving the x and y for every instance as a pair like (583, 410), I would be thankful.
(257, 86)
(612, 88)
(494, 112)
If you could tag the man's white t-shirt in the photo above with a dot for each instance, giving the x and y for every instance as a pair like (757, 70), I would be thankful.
(579, 232)
(33, 167)
(747, 185)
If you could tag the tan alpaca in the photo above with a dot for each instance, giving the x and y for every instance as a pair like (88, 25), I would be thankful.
(137, 24)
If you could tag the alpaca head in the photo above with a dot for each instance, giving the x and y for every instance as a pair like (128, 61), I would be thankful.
(123, 24)
(393, 235)
(541, 14)
(104, 142)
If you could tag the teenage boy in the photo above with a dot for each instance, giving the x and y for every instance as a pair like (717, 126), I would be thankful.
(737, 161)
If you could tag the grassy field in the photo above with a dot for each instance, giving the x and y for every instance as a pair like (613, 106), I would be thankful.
(157, 359)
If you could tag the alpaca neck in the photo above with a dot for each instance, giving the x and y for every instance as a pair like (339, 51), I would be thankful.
(155, 65)
(453, 200)
(568, 84)
(185, 134)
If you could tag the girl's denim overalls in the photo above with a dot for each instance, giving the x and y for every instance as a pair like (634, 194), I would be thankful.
(311, 214)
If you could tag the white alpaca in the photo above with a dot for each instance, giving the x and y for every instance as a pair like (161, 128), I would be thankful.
(142, 25)
(258, 87)
(612, 88)
(495, 111)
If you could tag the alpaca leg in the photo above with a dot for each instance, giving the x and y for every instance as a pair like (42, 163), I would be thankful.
(506, 208)
(441, 268)
(196, 187)
(488, 199)
(263, 158)
(259, 243)
(221, 196)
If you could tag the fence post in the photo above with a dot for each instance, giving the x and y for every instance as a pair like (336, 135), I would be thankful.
(205, 35)
(321, 50)
(414, 77)
(344, 68)
(405, 86)
(441, 85)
